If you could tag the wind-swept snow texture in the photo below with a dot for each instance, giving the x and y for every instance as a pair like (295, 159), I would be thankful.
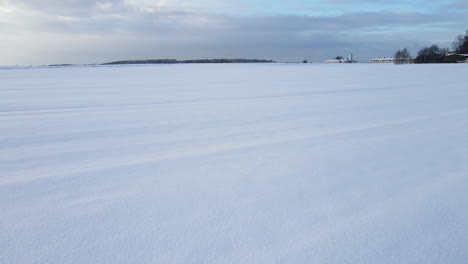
(241, 163)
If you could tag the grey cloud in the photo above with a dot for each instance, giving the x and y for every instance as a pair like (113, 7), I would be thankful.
(463, 4)
(57, 7)
(177, 21)
(88, 35)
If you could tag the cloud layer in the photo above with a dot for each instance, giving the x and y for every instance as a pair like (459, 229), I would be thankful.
(90, 31)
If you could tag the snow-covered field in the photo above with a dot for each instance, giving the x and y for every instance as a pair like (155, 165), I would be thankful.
(241, 163)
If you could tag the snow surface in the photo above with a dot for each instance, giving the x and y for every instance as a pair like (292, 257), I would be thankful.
(241, 163)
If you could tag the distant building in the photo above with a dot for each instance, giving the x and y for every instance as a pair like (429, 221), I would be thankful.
(454, 58)
(390, 60)
(466, 58)
(348, 60)
(382, 60)
(335, 61)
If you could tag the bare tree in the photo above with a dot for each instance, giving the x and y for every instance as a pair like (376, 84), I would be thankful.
(457, 45)
(402, 56)
(460, 45)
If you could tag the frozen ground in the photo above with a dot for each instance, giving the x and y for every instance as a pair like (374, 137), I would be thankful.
(257, 163)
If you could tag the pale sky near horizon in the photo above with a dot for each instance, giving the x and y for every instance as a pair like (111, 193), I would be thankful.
(95, 31)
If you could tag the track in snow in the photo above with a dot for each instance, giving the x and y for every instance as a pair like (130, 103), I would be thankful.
(241, 163)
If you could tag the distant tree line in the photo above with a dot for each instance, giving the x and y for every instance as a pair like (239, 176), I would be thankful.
(432, 54)
(173, 61)
(435, 54)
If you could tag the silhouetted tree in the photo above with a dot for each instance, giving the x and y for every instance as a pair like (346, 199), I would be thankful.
(460, 45)
(304, 61)
(432, 54)
(402, 56)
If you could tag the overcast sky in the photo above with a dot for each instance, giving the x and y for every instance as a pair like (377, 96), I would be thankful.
(96, 31)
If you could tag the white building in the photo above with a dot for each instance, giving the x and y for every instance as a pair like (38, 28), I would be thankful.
(382, 60)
